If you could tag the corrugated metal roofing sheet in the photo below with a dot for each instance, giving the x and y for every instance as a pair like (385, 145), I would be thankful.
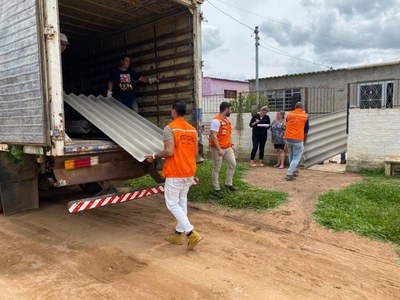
(135, 134)
(327, 137)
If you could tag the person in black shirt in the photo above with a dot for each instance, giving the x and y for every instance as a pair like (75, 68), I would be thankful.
(122, 82)
(260, 123)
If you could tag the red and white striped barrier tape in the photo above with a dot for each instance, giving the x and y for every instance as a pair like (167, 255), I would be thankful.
(86, 204)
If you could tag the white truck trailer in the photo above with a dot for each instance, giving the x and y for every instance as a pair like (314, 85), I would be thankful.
(52, 105)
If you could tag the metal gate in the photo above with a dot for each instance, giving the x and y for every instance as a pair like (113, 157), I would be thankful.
(319, 101)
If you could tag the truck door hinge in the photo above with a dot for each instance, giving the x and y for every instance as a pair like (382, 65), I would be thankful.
(49, 31)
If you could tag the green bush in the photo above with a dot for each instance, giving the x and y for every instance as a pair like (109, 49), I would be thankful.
(245, 103)
(15, 154)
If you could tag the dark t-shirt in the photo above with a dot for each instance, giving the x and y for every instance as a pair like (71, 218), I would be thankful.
(258, 130)
(123, 79)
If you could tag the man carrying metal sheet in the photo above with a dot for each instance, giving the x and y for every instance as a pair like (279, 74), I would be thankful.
(180, 149)
(122, 83)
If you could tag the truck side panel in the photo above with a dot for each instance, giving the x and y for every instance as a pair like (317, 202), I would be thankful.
(22, 102)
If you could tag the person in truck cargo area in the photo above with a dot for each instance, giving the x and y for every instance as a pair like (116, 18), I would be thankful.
(63, 42)
(122, 82)
(222, 148)
(180, 149)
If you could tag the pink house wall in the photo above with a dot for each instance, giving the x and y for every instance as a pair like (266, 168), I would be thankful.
(216, 86)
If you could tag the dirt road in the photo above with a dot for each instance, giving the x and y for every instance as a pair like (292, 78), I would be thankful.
(118, 252)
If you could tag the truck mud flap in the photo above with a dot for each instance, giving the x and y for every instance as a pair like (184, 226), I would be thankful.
(18, 185)
(19, 196)
(90, 203)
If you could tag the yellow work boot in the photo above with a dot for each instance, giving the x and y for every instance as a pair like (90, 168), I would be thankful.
(175, 238)
(193, 240)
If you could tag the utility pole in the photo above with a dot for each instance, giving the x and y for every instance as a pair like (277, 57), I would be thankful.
(257, 79)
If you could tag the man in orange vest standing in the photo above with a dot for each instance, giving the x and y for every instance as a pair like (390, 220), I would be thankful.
(180, 148)
(297, 125)
(221, 148)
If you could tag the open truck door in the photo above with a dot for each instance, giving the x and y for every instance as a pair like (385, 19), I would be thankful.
(23, 119)
(22, 73)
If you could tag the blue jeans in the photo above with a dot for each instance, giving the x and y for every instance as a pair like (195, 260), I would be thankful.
(131, 103)
(295, 151)
(343, 156)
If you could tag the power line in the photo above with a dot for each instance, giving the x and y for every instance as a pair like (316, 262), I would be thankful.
(278, 51)
(322, 36)
(228, 15)
(295, 57)
(285, 53)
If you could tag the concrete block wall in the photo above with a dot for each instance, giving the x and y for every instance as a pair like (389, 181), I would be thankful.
(242, 138)
(373, 135)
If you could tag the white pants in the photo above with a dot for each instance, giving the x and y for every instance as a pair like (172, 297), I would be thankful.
(175, 192)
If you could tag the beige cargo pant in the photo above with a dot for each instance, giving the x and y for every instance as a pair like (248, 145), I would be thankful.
(229, 157)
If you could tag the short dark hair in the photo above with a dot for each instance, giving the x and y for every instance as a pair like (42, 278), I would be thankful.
(298, 105)
(180, 108)
(223, 106)
(122, 57)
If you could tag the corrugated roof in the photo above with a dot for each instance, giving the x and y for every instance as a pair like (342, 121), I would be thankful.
(224, 79)
(132, 132)
(385, 64)
(300, 74)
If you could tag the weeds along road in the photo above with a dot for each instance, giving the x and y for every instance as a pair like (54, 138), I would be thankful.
(119, 252)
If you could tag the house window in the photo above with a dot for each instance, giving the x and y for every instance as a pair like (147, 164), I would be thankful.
(230, 94)
(283, 99)
(375, 94)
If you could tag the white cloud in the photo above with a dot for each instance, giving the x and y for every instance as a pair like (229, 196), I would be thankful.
(212, 39)
(333, 33)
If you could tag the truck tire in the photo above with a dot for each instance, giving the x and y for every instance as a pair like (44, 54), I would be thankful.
(157, 177)
(91, 188)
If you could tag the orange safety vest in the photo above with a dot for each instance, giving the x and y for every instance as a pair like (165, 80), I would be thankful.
(295, 123)
(224, 133)
(183, 163)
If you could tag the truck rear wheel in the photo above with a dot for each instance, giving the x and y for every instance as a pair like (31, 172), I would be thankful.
(157, 177)
(91, 188)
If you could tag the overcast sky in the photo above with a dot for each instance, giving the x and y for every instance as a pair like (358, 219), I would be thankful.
(330, 33)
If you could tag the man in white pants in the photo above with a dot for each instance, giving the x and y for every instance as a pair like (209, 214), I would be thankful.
(180, 149)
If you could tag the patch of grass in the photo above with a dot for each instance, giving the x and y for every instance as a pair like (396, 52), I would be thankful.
(370, 208)
(372, 172)
(248, 197)
(141, 182)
